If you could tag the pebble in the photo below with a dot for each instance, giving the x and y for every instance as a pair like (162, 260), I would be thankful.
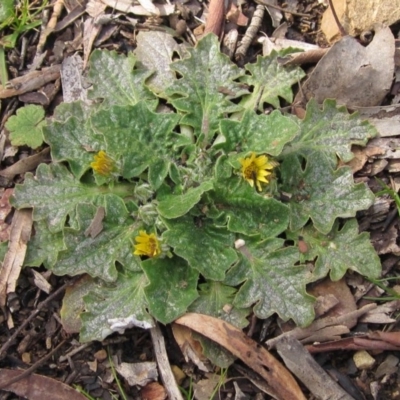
(363, 360)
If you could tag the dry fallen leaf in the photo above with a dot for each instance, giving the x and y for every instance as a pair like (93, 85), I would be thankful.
(37, 387)
(357, 16)
(153, 391)
(281, 383)
(190, 347)
(19, 236)
(354, 75)
(139, 374)
(5, 208)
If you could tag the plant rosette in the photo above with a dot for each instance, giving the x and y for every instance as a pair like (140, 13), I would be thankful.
(149, 204)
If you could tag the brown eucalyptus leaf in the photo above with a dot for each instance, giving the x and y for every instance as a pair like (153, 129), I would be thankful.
(354, 75)
(357, 16)
(37, 387)
(281, 383)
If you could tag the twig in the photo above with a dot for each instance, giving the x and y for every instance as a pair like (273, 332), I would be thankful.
(7, 344)
(57, 9)
(164, 367)
(73, 352)
(250, 33)
(301, 333)
(215, 19)
(339, 25)
(33, 367)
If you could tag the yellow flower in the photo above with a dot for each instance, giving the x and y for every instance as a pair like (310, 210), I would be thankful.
(147, 245)
(103, 164)
(256, 169)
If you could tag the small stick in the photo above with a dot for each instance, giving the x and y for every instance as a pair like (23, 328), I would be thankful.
(164, 367)
(215, 19)
(57, 10)
(340, 26)
(250, 33)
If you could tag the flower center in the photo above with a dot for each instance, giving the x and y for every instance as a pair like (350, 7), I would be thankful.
(250, 172)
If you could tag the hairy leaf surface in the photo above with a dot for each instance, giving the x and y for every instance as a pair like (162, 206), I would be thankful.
(270, 80)
(207, 248)
(273, 283)
(342, 249)
(321, 193)
(203, 94)
(330, 131)
(121, 299)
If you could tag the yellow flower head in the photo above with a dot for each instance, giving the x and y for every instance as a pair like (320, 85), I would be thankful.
(103, 164)
(256, 169)
(147, 245)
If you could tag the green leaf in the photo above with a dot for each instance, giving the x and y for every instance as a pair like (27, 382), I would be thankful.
(54, 194)
(44, 246)
(97, 256)
(331, 131)
(270, 80)
(205, 247)
(115, 81)
(172, 287)
(138, 138)
(155, 51)
(273, 283)
(174, 206)
(6, 10)
(121, 299)
(26, 127)
(74, 141)
(258, 133)
(79, 110)
(320, 193)
(199, 94)
(246, 211)
(216, 300)
(342, 249)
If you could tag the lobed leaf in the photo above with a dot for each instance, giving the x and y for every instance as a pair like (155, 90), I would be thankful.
(270, 80)
(75, 141)
(342, 249)
(155, 51)
(44, 246)
(330, 131)
(200, 94)
(26, 127)
(273, 283)
(97, 256)
(138, 139)
(54, 194)
(321, 193)
(121, 299)
(207, 248)
(116, 81)
(258, 133)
